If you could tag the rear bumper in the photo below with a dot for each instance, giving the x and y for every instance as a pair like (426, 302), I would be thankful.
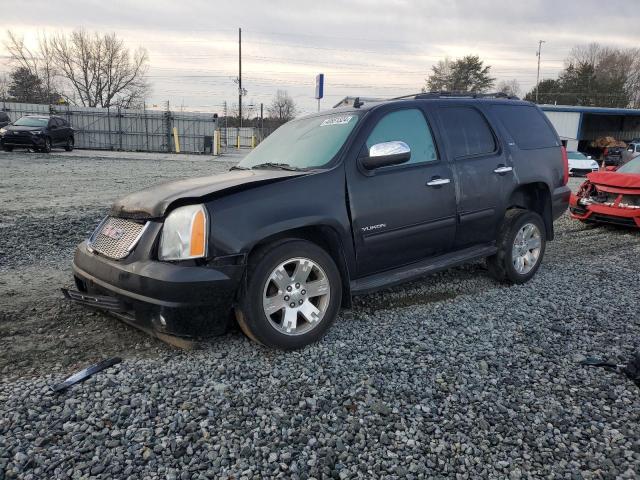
(172, 299)
(626, 217)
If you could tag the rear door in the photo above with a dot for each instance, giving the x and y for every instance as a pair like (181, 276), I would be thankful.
(402, 213)
(483, 172)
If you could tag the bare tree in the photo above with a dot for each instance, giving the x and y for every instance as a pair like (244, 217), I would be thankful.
(511, 87)
(39, 64)
(97, 70)
(282, 108)
(100, 69)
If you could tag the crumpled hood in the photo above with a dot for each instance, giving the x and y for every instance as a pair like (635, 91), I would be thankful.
(615, 179)
(154, 201)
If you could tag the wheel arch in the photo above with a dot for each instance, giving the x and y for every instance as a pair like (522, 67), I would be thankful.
(534, 196)
(324, 236)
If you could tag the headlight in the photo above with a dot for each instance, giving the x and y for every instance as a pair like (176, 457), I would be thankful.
(36, 132)
(3, 131)
(595, 165)
(184, 234)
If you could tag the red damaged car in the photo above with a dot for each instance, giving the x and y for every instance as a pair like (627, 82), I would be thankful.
(610, 197)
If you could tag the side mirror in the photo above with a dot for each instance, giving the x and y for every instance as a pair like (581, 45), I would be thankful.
(589, 157)
(386, 154)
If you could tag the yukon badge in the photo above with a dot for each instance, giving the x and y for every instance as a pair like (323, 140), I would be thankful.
(370, 228)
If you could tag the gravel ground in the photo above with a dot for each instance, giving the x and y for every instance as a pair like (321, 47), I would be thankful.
(454, 375)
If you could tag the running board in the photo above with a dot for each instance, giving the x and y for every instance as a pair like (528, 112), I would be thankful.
(419, 269)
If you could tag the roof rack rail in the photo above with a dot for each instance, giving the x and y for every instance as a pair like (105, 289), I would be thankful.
(454, 94)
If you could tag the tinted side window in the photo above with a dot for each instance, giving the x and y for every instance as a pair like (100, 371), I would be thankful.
(526, 125)
(468, 131)
(410, 127)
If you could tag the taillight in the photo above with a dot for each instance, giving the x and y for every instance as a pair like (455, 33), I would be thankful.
(565, 161)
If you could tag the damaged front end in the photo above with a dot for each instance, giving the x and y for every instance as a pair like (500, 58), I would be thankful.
(606, 203)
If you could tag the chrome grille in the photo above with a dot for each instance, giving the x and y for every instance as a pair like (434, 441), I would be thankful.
(116, 237)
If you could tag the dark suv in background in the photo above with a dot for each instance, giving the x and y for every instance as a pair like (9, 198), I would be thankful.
(331, 205)
(37, 132)
(4, 119)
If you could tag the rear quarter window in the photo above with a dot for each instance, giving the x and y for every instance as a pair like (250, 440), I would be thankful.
(527, 126)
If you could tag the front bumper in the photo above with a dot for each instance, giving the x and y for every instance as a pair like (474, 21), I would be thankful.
(25, 141)
(167, 298)
(627, 217)
(582, 172)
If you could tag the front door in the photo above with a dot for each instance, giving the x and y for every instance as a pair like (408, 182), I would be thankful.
(402, 213)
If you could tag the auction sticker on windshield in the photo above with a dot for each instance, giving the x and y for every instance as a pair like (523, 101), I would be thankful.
(340, 120)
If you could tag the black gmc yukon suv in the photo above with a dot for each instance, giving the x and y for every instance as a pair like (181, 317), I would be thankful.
(331, 205)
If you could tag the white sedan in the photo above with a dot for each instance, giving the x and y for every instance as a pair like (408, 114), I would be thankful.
(580, 164)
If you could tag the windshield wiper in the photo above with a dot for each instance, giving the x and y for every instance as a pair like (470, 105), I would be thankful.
(281, 166)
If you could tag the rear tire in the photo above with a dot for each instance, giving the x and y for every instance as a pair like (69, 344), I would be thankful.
(7, 148)
(521, 244)
(69, 145)
(292, 295)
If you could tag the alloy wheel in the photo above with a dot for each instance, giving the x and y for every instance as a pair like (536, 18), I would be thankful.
(296, 296)
(526, 248)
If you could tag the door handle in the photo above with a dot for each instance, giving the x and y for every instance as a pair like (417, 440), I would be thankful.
(503, 169)
(436, 182)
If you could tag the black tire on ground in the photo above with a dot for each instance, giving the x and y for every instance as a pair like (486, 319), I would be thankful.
(47, 145)
(69, 145)
(250, 313)
(501, 265)
(7, 148)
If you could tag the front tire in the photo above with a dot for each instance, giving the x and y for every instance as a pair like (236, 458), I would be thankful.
(292, 295)
(7, 148)
(69, 145)
(47, 145)
(521, 244)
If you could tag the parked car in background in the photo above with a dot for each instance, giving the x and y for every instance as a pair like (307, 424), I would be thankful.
(37, 132)
(632, 151)
(613, 156)
(4, 119)
(581, 164)
(610, 197)
(332, 205)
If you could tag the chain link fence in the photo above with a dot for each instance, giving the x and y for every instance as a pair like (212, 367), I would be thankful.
(141, 130)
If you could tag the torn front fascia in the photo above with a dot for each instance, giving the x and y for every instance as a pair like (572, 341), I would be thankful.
(588, 194)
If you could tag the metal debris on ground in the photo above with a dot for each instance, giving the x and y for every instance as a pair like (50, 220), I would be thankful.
(82, 375)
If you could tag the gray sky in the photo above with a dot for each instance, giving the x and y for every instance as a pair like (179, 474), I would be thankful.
(366, 48)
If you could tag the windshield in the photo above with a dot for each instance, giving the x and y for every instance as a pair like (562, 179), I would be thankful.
(31, 122)
(576, 156)
(305, 143)
(631, 167)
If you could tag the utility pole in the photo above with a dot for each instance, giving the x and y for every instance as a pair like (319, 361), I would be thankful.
(261, 121)
(240, 75)
(540, 42)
